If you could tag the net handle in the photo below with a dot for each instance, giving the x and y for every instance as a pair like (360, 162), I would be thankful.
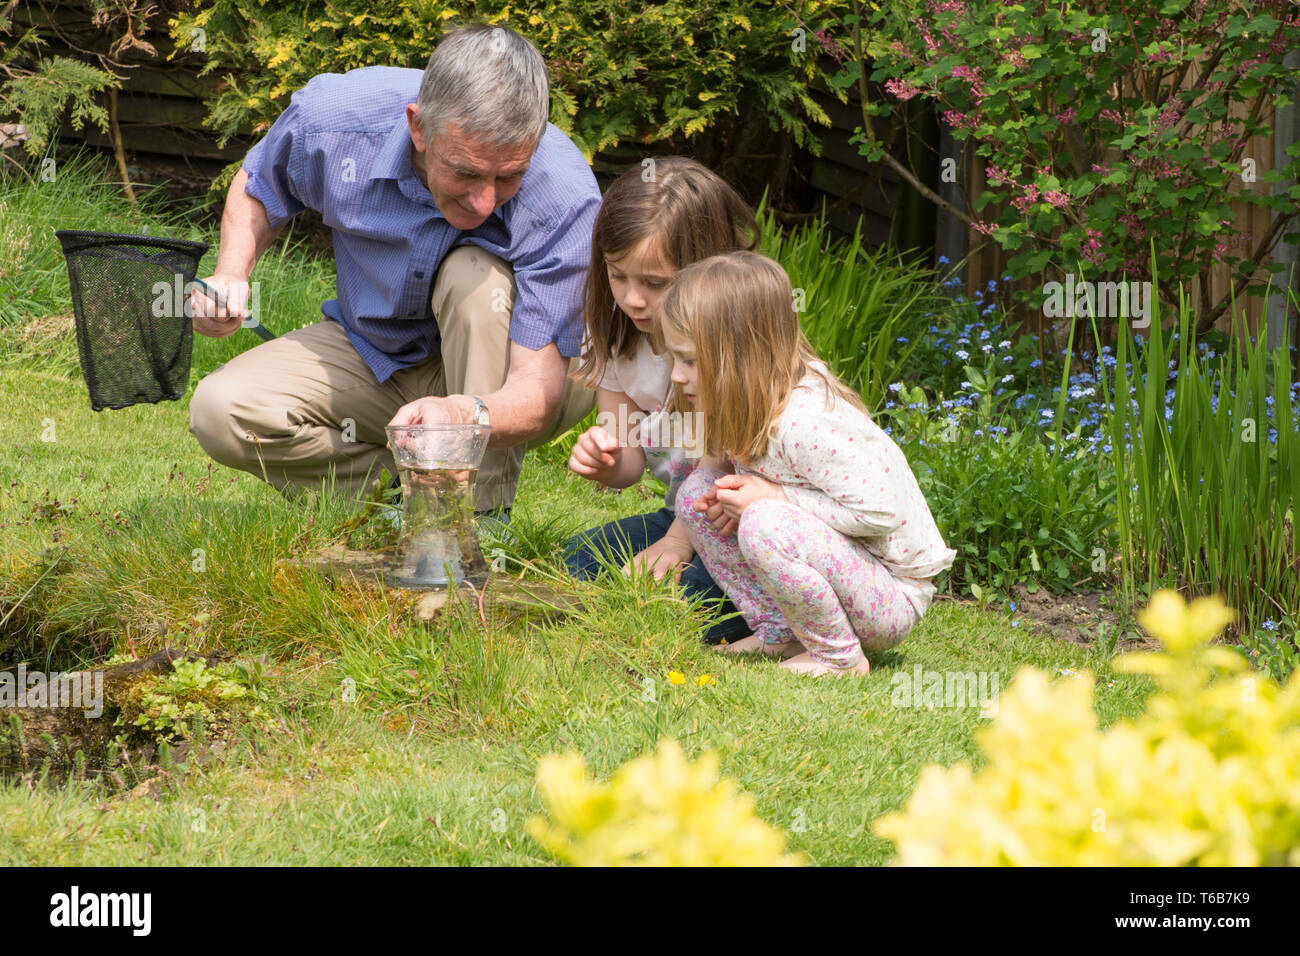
(250, 323)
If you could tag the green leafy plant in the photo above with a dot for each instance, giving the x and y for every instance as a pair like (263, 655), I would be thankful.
(39, 90)
(1271, 647)
(674, 69)
(1015, 511)
(194, 700)
(1102, 129)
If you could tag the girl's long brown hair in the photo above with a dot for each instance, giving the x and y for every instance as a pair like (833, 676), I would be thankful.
(737, 310)
(688, 211)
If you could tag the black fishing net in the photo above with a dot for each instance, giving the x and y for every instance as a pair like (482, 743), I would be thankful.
(128, 296)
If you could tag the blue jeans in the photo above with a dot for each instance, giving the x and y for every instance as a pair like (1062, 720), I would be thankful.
(619, 540)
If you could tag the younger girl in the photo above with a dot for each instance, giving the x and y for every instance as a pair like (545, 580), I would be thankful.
(831, 545)
(654, 219)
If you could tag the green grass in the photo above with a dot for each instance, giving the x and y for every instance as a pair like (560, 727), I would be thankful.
(450, 720)
(434, 760)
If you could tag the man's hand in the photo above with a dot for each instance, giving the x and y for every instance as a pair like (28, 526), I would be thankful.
(245, 235)
(215, 321)
(666, 556)
(452, 410)
(735, 493)
(595, 455)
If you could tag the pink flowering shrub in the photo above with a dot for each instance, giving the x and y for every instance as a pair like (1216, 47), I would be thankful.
(1108, 138)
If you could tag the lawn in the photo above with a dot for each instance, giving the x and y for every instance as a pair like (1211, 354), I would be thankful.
(433, 759)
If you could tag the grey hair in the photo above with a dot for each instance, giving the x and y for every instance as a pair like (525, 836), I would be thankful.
(489, 81)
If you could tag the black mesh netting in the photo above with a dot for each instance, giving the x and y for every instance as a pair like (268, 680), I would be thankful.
(132, 334)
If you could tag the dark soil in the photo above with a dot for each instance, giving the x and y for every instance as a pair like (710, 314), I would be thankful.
(1076, 618)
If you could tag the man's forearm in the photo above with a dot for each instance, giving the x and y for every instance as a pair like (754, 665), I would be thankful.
(524, 407)
(518, 413)
(245, 231)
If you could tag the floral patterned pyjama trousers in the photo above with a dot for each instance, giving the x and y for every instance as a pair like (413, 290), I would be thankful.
(792, 576)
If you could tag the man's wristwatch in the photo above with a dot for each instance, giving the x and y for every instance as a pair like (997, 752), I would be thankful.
(481, 411)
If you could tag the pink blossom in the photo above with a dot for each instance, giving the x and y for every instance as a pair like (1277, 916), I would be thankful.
(903, 89)
(1057, 198)
(1022, 203)
(971, 76)
(1067, 115)
(830, 46)
(984, 228)
(1091, 249)
(996, 176)
(1103, 168)
(1169, 116)
(957, 120)
(1134, 226)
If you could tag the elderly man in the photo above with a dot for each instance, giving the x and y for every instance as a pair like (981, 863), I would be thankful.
(462, 235)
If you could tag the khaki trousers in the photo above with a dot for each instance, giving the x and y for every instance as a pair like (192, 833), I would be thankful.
(296, 410)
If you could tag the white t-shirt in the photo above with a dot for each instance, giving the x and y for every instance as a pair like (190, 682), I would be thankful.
(646, 378)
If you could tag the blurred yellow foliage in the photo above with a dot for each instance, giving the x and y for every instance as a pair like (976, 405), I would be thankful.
(1209, 775)
(657, 810)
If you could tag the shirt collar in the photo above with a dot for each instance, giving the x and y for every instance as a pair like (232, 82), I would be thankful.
(394, 159)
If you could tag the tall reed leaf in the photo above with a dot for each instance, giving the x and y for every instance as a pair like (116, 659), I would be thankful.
(1206, 480)
(863, 310)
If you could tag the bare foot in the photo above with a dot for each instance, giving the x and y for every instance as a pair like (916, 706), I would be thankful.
(804, 664)
(753, 644)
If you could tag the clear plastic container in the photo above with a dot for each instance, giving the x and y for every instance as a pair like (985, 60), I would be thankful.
(438, 464)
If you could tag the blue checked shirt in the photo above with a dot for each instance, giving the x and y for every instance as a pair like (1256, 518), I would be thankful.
(343, 148)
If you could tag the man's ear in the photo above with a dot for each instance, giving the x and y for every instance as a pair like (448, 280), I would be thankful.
(417, 128)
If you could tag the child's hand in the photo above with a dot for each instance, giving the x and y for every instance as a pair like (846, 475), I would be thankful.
(735, 493)
(665, 556)
(707, 504)
(595, 455)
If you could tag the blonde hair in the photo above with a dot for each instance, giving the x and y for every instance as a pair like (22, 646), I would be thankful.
(688, 211)
(737, 310)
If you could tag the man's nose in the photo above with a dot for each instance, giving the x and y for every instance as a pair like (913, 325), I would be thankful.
(484, 200)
